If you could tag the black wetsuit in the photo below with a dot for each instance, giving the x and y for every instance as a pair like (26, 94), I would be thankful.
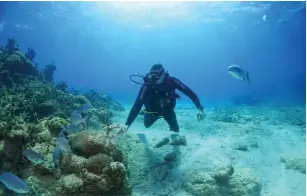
(160, 101)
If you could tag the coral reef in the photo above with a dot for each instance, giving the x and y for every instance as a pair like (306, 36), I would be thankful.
(34, 111)
(30, 54)
(241, 182)
(62, 86)
(88, 143)
(296, 163)
(99, 100)
(48, 72)
(11, 45)
(244, 182)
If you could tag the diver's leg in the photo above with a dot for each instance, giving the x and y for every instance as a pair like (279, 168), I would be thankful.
(171, 119)
(149, 119)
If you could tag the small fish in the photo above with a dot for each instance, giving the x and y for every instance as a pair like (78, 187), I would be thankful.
(85, 108)
(238, 73)
(170, 157)
(63, 144)
(143, 138)
(33, 156)
(56, 155)
(14, 183)
(162, 142)
(265, 18)
(69, 130)
(76, 119)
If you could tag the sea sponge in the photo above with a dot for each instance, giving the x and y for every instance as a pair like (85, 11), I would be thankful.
(88, 143)
(82, 146)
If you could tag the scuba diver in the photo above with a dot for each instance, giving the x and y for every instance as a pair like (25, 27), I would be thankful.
(158, 96)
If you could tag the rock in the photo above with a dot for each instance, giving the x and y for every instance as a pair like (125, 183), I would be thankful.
(162, 142)
(241, 145)
(96, 163)
(244, 182)
(200, 184)
(71, 163)
(12, 147)
(116, 174)
(254, 144)
(179, 141)
(88, 143)
(137, 157)
(222, 175)
(296, 163)
(71, 183)
(46, 185)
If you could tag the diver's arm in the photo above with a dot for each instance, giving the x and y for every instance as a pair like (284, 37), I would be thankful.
(188, 92)
(137, 106)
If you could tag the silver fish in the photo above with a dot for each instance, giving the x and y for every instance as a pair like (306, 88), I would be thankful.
(69, 130)
(14, 183)
(63, 144)
(76, 119)
(265, 18)
(33, 156)
(238, 73)
(85, 108)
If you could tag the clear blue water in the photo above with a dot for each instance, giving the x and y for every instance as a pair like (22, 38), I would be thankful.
(97, 45)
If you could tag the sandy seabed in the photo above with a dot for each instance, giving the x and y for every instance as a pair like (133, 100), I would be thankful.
(268, 139)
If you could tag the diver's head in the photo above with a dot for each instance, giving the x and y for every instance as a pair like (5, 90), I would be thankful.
(156, 74)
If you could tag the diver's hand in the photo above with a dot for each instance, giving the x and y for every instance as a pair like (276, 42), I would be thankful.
(200, 115)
